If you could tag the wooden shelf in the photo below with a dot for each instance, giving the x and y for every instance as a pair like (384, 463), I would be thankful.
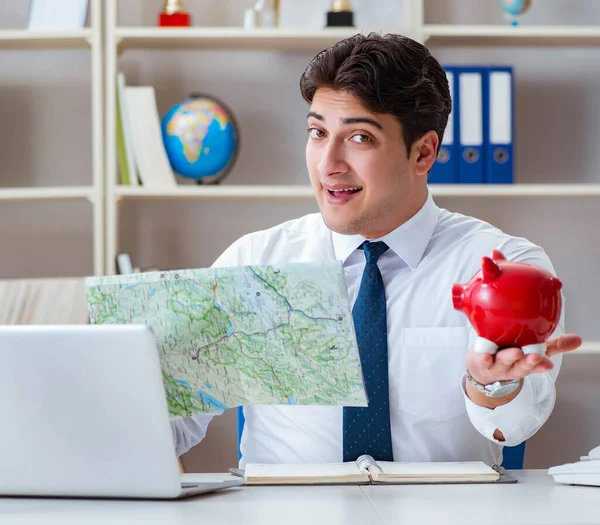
(305, 191)
(38, 194)
(515, 190)
(587, 348)
(230, 38)
(494, 35)
(23, 39)
(216, 192)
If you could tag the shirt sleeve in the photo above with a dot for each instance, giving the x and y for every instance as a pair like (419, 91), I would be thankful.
(522, 417)
(188, 432)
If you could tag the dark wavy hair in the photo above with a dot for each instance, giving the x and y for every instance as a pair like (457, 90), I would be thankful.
(388, 74)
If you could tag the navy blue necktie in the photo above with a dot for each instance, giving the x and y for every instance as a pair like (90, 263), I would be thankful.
(367, 429)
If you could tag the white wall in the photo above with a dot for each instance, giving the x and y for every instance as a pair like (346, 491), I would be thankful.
(45, 138)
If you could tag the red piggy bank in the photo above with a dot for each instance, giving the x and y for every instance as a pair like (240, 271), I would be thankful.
(510, 304)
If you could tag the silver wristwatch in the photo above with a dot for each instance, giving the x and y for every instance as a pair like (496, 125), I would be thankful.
(496, 389)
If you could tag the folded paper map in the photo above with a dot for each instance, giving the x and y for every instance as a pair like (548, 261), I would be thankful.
(243, 335)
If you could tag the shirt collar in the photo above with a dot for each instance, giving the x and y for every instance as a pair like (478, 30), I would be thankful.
(408, 241)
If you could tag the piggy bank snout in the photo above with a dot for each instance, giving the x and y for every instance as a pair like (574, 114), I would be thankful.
(458, 296)
(556, 284)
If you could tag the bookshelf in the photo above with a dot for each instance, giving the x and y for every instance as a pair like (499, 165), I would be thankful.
(88, 38)
(121, 39)
(145, 40)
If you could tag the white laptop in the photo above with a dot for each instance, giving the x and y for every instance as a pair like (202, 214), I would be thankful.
(83, 413)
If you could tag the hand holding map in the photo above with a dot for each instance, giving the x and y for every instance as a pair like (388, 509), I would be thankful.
(243, 335)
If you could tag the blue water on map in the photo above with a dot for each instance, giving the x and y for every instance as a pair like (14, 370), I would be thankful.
(206, 398)
(207, 384)
(232, 327)
(291, 400)
(210, 400)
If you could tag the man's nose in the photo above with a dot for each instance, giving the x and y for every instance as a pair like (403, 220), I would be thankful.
(332, 160)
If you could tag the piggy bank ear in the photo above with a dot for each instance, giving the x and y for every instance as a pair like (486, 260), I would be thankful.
(498, 256)
(458, 296)
(490, 271)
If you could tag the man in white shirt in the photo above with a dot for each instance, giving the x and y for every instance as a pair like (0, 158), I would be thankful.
(378, 109)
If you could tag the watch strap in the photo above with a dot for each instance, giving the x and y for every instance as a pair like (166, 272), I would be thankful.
(495, 389)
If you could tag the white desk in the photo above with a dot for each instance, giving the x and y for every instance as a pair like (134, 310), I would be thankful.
(536, 499)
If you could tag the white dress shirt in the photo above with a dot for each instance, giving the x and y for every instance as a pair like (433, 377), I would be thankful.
(432, 419)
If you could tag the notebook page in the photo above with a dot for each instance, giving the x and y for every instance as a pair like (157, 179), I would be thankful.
(302, 471)
(453, 470)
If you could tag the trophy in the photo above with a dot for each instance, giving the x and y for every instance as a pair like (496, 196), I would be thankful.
(174, 15)
(341, 14)
(265, 13)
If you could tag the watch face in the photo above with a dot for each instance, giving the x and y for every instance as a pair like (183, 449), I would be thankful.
(499, 390)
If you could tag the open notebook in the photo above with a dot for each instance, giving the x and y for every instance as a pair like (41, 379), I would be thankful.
(365, 470)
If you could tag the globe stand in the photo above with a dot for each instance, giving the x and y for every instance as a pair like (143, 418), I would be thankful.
(212, 180)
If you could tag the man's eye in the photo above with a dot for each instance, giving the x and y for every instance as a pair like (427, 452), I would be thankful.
(360, 138)
(315, 133)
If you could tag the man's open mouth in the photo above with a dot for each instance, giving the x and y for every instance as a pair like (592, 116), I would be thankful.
(345, 191)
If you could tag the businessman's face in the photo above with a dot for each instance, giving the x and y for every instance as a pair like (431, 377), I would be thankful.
(364, 181)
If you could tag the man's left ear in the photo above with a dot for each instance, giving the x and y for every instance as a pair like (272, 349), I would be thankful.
(425, 152)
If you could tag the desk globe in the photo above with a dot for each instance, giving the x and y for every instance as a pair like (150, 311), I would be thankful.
(201, 139)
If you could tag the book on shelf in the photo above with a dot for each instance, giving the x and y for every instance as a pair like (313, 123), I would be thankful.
(125, 155)
(365, 470)
(148, 149)
(57, 14)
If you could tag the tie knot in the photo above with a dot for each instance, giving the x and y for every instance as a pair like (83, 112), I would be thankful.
(374, 250)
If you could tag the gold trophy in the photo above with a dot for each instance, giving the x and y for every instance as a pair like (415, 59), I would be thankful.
(341, 14)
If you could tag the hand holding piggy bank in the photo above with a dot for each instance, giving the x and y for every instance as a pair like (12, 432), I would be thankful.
(510, 304)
